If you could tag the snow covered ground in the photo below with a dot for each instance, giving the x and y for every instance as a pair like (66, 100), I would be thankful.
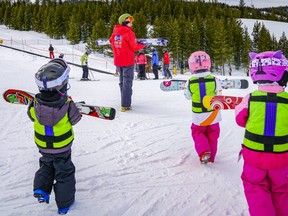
(142, 163)
(257, 3)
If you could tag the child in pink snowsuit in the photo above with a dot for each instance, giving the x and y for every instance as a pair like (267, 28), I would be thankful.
(205, 128)
(265, 148)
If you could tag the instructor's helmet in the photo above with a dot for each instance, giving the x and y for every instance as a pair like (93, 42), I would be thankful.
(268, 67)
(53, 76)
(125, 18)
(199, 61)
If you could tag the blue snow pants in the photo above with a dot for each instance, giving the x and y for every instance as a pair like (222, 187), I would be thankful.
(125, 82)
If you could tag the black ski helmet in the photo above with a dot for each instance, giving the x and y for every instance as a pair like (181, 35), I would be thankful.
(53, 76)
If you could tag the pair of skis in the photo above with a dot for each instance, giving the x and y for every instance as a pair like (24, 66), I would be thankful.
(145, 41)
(176, 85)
(218, 102)
(16, 96)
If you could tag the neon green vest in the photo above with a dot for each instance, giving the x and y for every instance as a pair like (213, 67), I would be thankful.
(199, 87)
(53, 137)
(267, 125)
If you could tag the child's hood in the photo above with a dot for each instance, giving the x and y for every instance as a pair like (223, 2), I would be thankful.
(50, 112)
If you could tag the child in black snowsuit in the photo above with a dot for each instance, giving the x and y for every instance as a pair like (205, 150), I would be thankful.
(53, 114)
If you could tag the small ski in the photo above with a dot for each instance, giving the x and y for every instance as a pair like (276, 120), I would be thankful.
(15, 96)
(222, 102)
(176, 85)
(146, 41)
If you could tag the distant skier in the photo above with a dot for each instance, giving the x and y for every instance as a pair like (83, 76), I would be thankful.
(51, 51)
(84, 64)
(166, 63)
(155, 63)
(263, 114)
(230, 70)
(54, 114)
(205, 127)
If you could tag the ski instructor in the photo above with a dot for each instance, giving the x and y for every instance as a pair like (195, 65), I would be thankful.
(124, 45)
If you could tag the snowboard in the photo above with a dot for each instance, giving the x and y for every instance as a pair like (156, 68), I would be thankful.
(176, 85)
(221, 102)
(15, 96)
(146, 41)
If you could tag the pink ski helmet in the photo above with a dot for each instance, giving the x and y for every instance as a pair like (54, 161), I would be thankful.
(267, 66)
(199, 60)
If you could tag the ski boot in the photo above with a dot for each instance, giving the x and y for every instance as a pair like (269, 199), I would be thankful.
(64, 211)
(41, 195)
(204, 157)
(124, 109)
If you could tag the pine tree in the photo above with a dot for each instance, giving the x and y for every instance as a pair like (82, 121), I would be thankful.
(174, 47)
(73, 34)
(140, 24)
(255, 34)
(7, 15)
(27, 25)
(220, 45)
(264, 41)
(237, 41)
(98, 32)
(247, 46)
(58, 23)
(283, 43)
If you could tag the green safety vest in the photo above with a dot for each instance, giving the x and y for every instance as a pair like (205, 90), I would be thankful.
(199, 87)
(53, 137)
(267, 125)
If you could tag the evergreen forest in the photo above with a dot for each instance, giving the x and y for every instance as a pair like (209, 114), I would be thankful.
(190, 26)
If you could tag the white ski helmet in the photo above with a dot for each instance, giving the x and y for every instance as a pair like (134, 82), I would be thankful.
(53, 76)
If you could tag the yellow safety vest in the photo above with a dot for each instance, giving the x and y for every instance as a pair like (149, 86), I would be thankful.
(53, 137)
(267, 125)
(199, 87)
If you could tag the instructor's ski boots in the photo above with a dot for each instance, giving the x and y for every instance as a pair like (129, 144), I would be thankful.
(204, 157)
(124, 109)
(41, 195)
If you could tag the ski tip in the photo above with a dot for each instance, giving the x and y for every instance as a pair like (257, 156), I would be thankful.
(207, 101)
(244, 84)
(112, 114)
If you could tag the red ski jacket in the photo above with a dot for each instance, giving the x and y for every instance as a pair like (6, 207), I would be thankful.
(124, 45)
(141, 59)
(166, 58)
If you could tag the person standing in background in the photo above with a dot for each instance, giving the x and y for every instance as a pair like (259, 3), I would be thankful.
(166, 63)
(124, 45)
(84, 64)
(155, 63)
(51, 51)
(141, 61)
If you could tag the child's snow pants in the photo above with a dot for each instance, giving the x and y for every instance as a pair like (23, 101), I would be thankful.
(206, 138)
(266, 191)
(60, 168)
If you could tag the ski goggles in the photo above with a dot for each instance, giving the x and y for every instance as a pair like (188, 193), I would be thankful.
(268, 62)
(54, 84)
(198, 59)
(129, 19)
